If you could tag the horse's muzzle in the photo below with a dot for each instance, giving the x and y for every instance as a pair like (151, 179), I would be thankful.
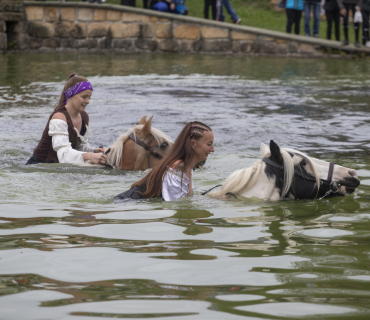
(348, 184)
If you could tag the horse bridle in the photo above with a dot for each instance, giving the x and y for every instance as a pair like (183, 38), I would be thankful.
(334, 186)
(146, 146)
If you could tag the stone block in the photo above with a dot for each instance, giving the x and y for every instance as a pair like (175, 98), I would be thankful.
(197, 45)
(280, 41)
(131, 17)
(170, 45)
(145, 19)
(3, 41)
(35, 43)
(119, 30)
(88, 43)
(164, 20)
(242, 36)
(267, 47)
(22, 41)
(216, 45)
(214, 33)
(185, 45)
(78, 31)
(104, 43)
(267, 39)
(21, 27)
(123, 43)
(144, 44)
(2, 26)
(98, 29)
(85, 14)
(51, 14)
(70, 43)
(113, 15)
(306, 48)
(63, 29)
(148, 30)
(185, 31)
(67, 14)
(164, 30)
(40, 29)
(100, 14)
(134, 30)
(246, 47)
(282, 48)
(293, 47)
(52, 43)
(35, 13)
(236, 46)
(153, 19)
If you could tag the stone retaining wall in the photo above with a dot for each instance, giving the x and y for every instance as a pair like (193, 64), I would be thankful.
(78, 26)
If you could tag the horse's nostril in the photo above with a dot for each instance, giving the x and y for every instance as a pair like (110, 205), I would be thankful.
(352, 173)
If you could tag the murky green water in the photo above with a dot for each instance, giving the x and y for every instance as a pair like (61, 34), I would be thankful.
(67, 251)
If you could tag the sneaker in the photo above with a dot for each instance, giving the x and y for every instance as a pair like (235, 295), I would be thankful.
(368, 44)
(220, 20)
(345, 43)
(357, 44)
(307, 35)
(316, 36)
(237, 21)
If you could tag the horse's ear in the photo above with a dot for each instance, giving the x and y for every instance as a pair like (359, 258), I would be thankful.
(143, 120)
(275, 153)
(264, 149)
(147, 127)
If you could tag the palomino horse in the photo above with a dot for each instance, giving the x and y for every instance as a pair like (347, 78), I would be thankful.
(140, 148)
(289, 174)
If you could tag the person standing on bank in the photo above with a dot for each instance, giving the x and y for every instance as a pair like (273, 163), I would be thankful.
(365, 10)
(333, 12)
(212, 4)
(353, 5)
(172, 178)
(64, 139)
(316, 8)
(293, 10)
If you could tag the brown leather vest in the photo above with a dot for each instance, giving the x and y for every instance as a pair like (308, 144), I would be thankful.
(44, 150)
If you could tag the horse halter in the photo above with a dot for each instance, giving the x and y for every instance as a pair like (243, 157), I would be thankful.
(334, 186)
(146, 146)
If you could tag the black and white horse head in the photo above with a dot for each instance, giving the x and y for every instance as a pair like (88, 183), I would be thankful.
(285, 173)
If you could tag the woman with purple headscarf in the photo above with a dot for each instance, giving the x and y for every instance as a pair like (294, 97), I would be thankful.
(64, 139)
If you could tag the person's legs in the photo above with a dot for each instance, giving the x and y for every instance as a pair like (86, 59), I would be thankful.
(307, 16)
(365, 26)
(214, 9)
(316, 19)
(206, 9)
(145, 4)
(297, 21)
(336, 15)
(356, 25)
(290, 19)
(230, 10)
(329, 21)
(345, 23)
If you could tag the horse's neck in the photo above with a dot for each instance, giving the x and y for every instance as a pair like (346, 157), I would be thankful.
(264, 188)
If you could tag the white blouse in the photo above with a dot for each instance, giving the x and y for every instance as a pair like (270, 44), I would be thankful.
(58, 130)
(175, 184)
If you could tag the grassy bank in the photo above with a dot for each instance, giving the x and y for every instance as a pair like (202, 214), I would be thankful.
(254, 13)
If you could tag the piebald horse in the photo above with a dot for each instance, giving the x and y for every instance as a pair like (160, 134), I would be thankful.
(289, 174)
(140, 148)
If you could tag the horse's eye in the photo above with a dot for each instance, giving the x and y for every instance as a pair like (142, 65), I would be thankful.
(303, 163)
(164, 145)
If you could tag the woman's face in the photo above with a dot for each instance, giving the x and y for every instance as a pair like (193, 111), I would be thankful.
(81, 100)
(203, 147)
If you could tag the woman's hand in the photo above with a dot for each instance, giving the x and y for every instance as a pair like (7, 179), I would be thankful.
(99, 150)
(97, 158)
(343, 12)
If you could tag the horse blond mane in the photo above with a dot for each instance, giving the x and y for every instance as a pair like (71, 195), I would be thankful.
(115, 155)
(245, 179)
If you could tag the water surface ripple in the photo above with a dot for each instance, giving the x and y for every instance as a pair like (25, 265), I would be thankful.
(67, 251)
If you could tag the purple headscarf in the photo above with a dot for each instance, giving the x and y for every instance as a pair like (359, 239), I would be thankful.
(77, 88)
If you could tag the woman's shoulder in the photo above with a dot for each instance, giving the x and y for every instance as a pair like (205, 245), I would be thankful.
(59, 116)
(177, 165)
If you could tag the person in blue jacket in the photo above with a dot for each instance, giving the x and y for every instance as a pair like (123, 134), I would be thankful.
(293, 10)
(315, 5)
(173, 6)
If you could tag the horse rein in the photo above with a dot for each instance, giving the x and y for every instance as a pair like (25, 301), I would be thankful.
(328, 180)
(146, 146)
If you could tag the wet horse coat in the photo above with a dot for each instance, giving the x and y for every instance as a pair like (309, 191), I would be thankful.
(289, 174)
